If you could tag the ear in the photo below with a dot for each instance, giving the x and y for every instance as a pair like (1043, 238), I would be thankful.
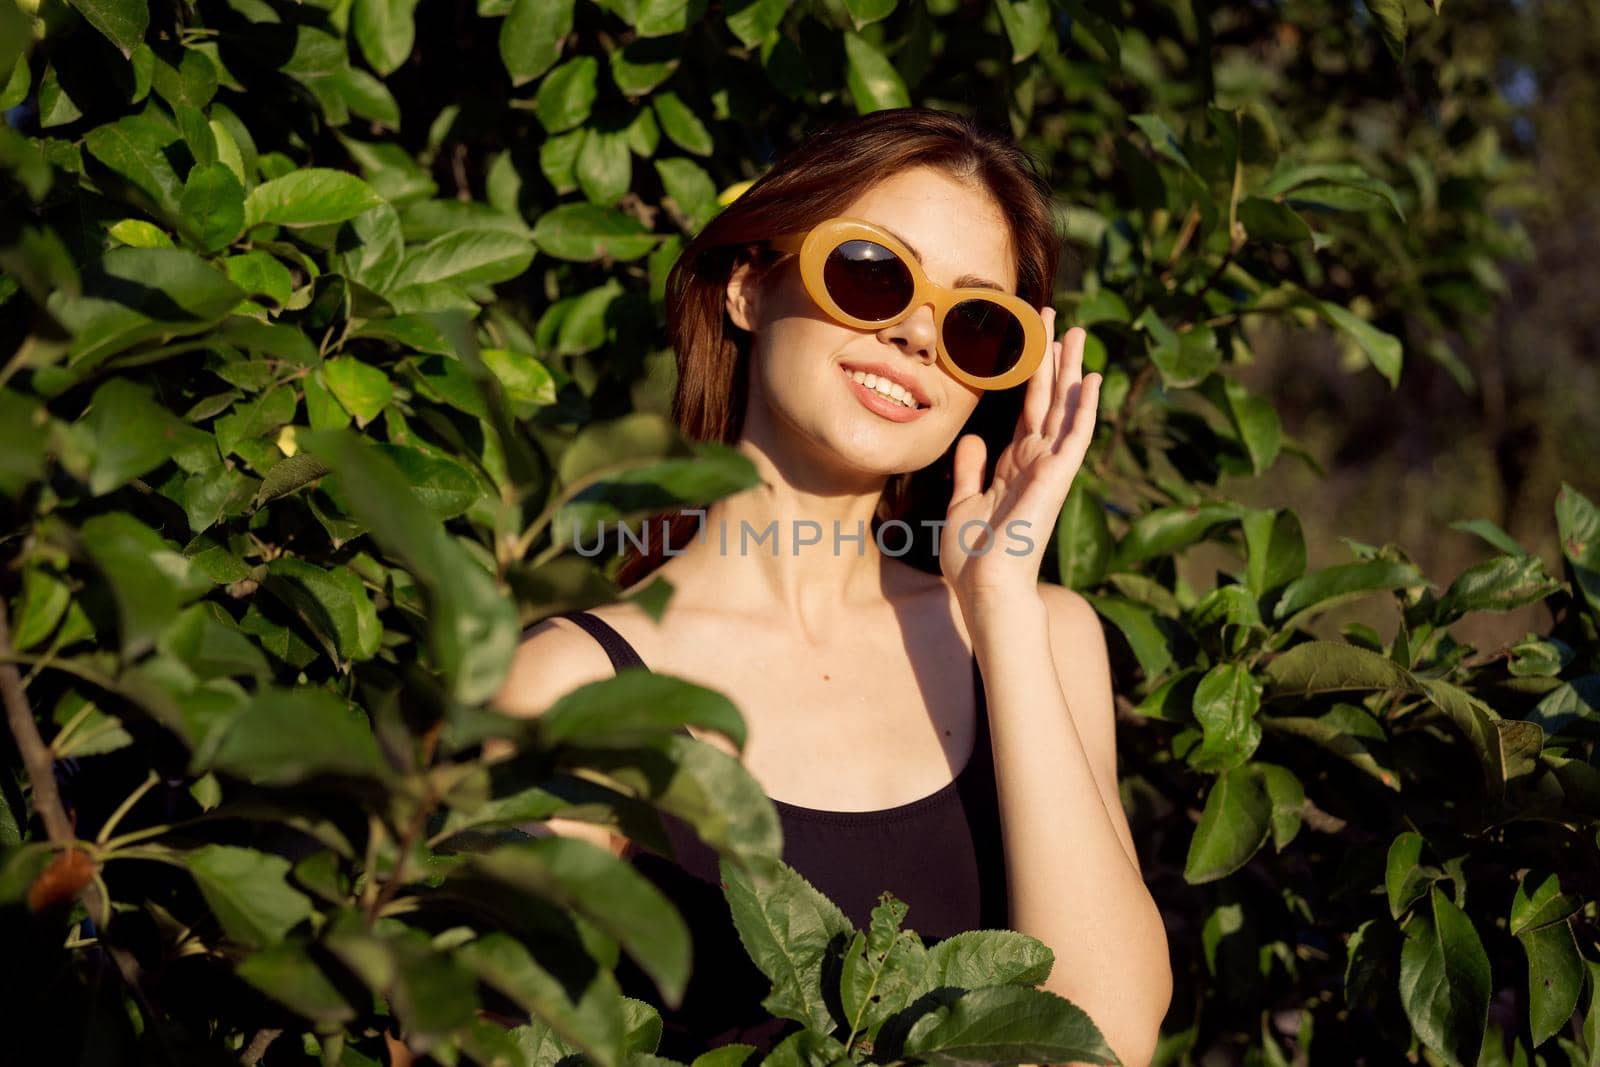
(744, 290)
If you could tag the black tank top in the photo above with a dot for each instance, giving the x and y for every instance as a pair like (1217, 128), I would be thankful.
(941, 854)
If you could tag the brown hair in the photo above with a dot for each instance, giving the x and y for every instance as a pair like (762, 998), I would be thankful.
(812, 182)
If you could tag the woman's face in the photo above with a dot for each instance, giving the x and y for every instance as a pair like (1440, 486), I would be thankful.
(802, 400)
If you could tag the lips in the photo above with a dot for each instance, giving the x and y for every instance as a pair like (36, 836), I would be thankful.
(894, 374)
(881, 405)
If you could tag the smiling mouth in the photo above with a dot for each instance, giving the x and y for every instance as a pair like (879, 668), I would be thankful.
(890, 391)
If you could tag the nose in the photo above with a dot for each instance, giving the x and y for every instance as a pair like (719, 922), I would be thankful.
(916, 334)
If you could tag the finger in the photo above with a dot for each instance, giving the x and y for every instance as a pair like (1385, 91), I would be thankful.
(967, 468)
(1081, 433)
(1036, 401)
(1067, 387)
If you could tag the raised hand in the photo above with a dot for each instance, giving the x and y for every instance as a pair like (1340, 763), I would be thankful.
(1031, 479)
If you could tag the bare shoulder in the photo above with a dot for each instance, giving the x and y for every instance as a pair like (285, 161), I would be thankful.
(1070, 612)
(555, 657)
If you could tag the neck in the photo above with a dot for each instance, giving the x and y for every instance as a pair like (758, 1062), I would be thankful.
(795, 548)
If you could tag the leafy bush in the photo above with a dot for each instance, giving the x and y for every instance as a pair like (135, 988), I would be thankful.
(329, 319)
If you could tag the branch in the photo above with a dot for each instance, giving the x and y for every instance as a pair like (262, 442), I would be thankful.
(35, 754)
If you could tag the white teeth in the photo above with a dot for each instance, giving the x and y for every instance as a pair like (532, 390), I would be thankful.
(885, 388)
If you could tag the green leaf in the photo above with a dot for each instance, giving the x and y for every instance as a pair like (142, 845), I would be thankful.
(1331, 667)
(638, 67)
(44, 601)
(133, 147)
(1007, 1024)
(260, 274)
(1492, 534)
(1275, 550)
(605, 166)
(207, 640)
(594, 1023)
(255, 418)
(1332, 184)
(1383, 349)
(1555, 978)
(567, 93)
(789, 929)
(1578, 523)
(1270, 221)
(287, 973)
(1287, 797)
(1026, 23)
(361, 389)
(636, 707)
(128, 434)
(191, 82)
(681, 124)
(385, 31)
(1405, 879)
(312, 196)
(472, 627)
(657, 18)
(1545, 905)
(585, 327)
(1321, 590)
(22, 441)
(333, 603)
(213, 205)
(885, 969)
(1234, 825)
(701, 785)
(1445, 981)
(1501, 584)
(248, 893)
(284, 737)
(873, 82)
(1345, 730)
(618, 900)
(531, 36)
(1253, 418)
(753, 21)
(1083, 539)
(123, 22)
(558, 160)
(1166, 530)
(1225, 705)
(137, 233)
(1162, 139)
(975, 958)
(1137, 623)
(149, 580)
(1390, 16)
(467, 257)
(691, 189)
(584, 233)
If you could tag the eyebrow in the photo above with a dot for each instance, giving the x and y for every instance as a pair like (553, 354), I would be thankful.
(966, 281)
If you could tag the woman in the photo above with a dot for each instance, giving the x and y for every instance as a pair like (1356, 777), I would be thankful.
(943, 731)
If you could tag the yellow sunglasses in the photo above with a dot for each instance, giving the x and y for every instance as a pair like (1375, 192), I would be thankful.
(861, 275)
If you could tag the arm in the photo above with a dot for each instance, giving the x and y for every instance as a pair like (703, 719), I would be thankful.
(554, 659)
(1071, 866)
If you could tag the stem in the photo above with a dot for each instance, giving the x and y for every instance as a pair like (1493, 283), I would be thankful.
(116, 844)
(258, 1046)
(1124, 413)
(133, 798)
(35, 755)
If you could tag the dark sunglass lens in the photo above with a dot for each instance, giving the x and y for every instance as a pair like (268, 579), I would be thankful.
(867, 280)
(984, 338)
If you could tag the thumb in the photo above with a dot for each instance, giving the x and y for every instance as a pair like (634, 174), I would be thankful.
(967, 468)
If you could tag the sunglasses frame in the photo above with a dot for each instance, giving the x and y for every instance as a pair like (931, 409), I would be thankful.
(813, 246)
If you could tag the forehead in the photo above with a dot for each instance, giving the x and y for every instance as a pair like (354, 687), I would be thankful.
(955, 227)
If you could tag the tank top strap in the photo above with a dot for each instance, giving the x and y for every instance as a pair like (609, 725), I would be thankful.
(622, 654)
